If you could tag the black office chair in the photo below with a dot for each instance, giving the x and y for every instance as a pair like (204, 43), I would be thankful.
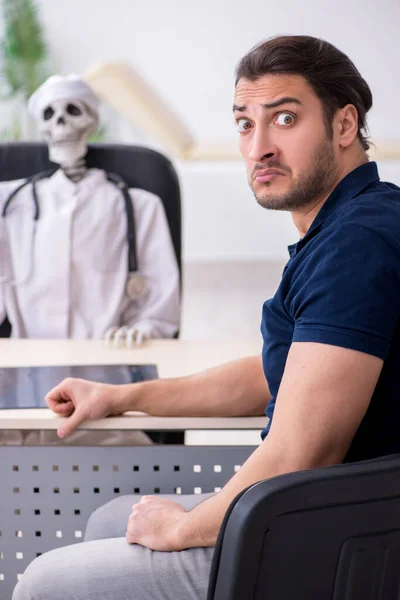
(140, 167)
(323, 534)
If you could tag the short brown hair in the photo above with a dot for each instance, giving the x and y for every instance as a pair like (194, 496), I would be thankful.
(332, 75)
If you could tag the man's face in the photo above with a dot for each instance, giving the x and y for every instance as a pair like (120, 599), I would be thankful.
(288, 151)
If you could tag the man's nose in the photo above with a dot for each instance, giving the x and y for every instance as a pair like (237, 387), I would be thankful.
(60, 121)
(262, 147)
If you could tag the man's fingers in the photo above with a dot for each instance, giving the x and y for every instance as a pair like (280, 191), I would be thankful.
(71, 424)
(52, 402)
(63, 410)
(145, 499)
(59, 394)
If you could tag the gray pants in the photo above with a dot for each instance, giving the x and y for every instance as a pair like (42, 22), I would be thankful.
(106, 567)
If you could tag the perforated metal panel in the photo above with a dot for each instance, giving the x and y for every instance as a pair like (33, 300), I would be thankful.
(48, 493)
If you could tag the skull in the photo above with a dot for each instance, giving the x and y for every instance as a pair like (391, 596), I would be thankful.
(66, 125)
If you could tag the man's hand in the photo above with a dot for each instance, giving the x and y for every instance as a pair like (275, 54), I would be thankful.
(160, 524)
(157, 523)
(82, 400)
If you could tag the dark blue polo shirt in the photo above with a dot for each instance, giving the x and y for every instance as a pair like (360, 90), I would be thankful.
(341, 286)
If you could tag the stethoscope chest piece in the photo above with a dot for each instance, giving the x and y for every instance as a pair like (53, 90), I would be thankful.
(136, 286)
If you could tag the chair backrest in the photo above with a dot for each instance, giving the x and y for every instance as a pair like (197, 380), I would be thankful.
(139, 167)
(323, 534)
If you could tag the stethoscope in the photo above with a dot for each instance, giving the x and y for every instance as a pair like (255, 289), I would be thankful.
(136, 285)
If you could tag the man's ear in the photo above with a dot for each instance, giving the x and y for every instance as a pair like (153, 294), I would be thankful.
(346, 125)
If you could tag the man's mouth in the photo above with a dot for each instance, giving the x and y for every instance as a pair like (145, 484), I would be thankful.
(264, 175)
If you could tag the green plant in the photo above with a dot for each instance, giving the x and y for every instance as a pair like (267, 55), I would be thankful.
(23, 49)
(99, 135)
(14, 132)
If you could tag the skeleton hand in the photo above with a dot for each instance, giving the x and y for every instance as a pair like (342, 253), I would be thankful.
(134, 335)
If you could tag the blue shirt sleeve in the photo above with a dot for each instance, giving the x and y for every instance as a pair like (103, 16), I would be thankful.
(346, 291)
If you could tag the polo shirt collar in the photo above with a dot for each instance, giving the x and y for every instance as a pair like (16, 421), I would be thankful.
(349, 187)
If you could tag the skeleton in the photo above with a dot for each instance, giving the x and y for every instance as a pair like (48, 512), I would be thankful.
(66, 124)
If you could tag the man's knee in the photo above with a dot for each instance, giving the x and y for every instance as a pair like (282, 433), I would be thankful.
(112, 569)
(20, 592)
(37, 581)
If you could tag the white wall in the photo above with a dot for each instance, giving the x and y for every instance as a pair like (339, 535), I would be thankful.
(188, 51)
(222, 220)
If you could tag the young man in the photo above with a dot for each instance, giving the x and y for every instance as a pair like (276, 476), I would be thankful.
(331, 341)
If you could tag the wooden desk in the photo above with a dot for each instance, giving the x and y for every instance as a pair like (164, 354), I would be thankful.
(172, 357)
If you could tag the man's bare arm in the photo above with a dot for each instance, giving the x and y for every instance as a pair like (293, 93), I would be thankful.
(324, 394)
(238, 388)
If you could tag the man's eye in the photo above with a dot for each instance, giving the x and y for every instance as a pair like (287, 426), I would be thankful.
(285, 118)
(243, 125)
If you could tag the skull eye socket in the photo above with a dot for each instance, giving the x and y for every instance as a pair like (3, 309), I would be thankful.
(74, 110)
(48, 113)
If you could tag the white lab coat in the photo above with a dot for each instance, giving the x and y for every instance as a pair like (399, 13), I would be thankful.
(76, 288)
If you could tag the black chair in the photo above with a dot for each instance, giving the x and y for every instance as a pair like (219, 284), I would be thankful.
(323, 534)
(140, 167)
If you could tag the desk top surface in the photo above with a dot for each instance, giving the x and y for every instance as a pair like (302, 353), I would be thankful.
(173, 358)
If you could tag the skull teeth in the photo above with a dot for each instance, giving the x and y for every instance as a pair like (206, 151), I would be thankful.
(69, 140)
